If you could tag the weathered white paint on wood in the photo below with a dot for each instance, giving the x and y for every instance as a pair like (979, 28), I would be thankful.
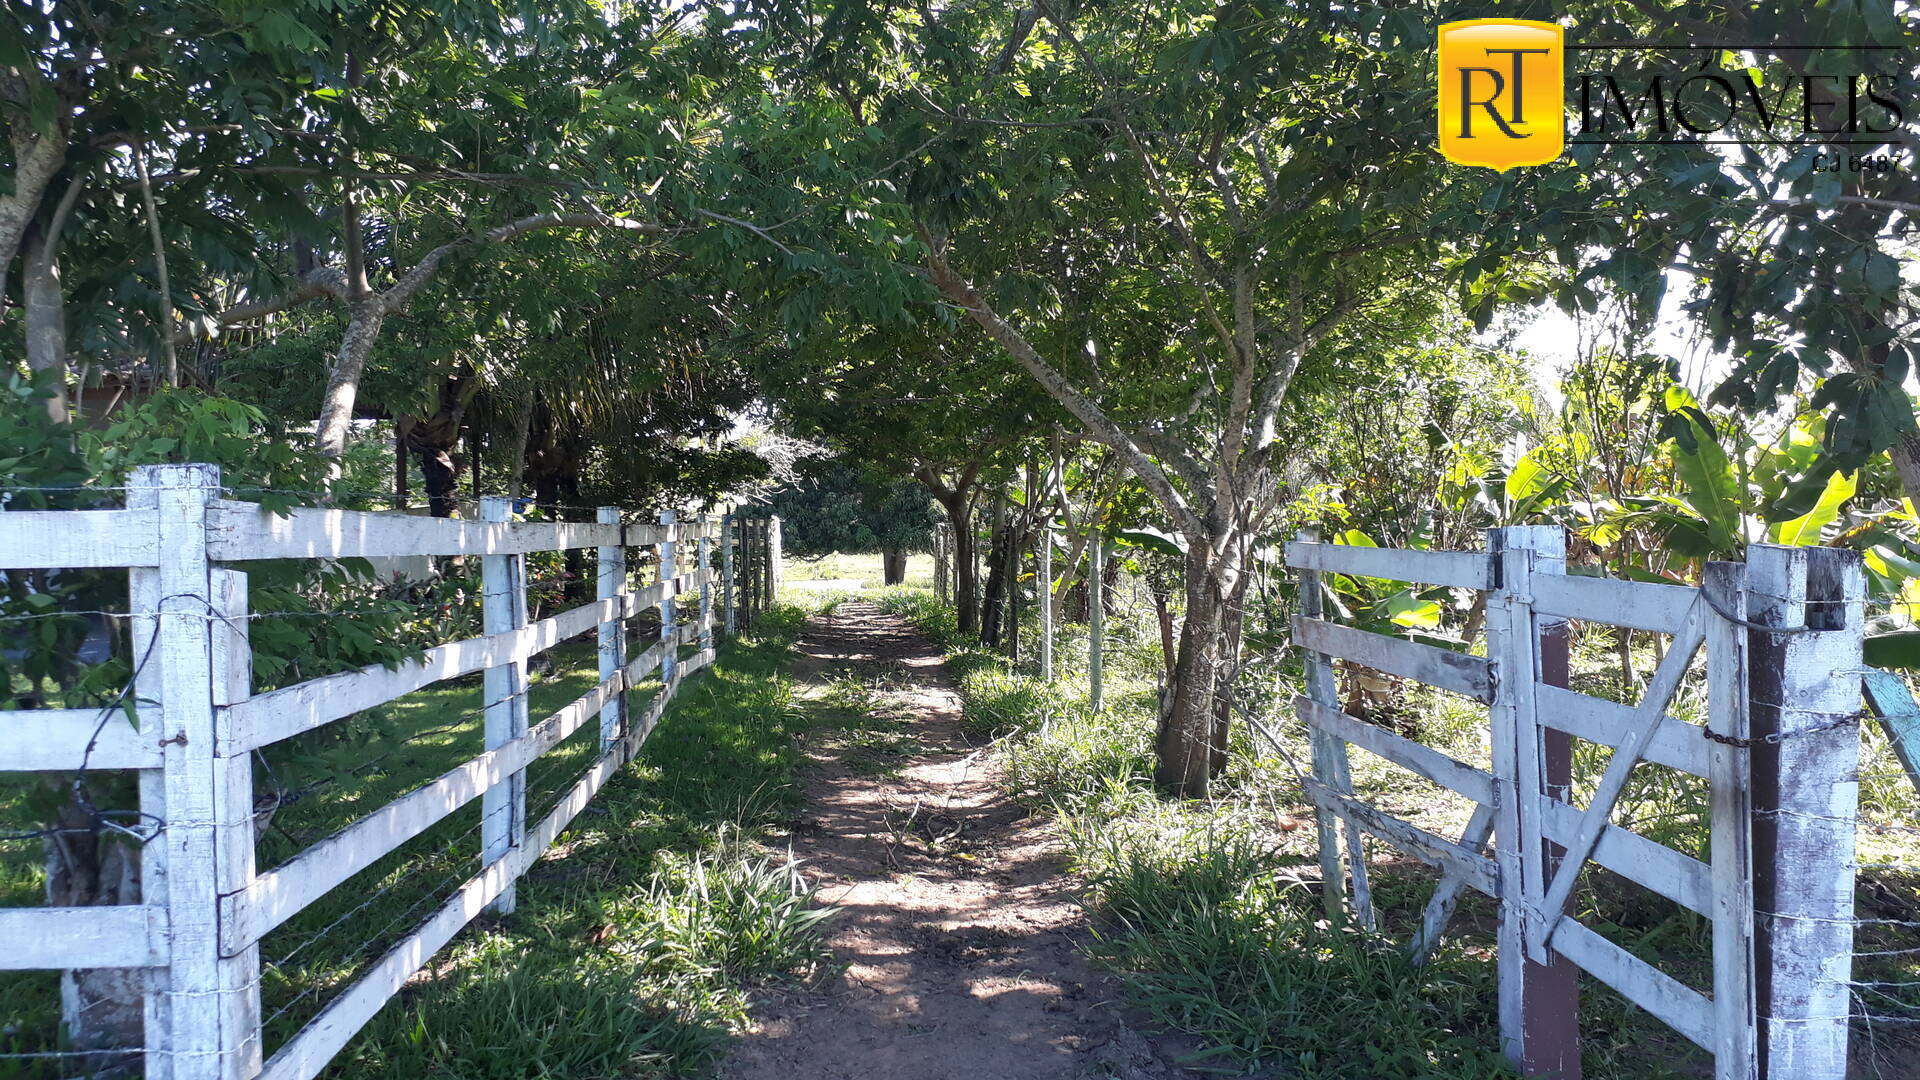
(1680, 878)
(239, 531)
(667, 551)
(77, 539)
(1736, 1049)
(1045, 589)
(235, 839)
(503, 810)
(703, 578)
(1445, 669)
(1329, 765)
(1475, 784)
(1614, 602)
(1593, 820)
(143, 604)
(610, 574)
(56, 740)
(1677, 1005)
(1446, 894)
(1676, 744)
(284, 713)
(1459, 569)
(198, 933)
(288, 889)
(209, 1033)
(309, 1051)
(1509, 631)
(56, 938)
(1474, 868)
(1804, 686)
(1096, 620)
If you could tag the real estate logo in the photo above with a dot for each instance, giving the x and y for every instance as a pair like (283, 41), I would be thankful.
(1502, 92)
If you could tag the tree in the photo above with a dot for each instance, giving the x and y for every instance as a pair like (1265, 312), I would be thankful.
(935, 409)
(836, 505)
(1127, 208)
(1793, 270)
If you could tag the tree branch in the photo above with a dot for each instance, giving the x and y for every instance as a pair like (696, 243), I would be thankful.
(1099, 425)
(413, 280)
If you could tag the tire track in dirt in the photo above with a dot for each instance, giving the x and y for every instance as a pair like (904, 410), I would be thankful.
(957, 925)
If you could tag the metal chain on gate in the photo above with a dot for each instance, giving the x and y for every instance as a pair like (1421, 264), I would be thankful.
(1777, 737)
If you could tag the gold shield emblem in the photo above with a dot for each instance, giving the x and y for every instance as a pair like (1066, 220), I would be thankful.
(1502, 92)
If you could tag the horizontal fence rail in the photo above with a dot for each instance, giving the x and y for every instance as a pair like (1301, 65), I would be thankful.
(195, 729)
(1780, 910)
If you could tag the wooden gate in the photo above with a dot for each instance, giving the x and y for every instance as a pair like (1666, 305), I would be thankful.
(1781, 639)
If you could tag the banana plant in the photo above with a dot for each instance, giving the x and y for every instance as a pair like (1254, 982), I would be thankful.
(1384, 606)
(1724, 499)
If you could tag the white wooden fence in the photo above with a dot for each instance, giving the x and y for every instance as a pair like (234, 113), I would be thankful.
(205, 906)
(1779, 751)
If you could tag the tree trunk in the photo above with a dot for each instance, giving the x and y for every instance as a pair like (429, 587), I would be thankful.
(400, 427)
(1233, 626)
(517, 454)
(958, 515)
(103, 1008)
(46, 327)
(433, 439)
(364, 316)
(893, 565)
(37, 157)
(993, 606)
(1187, 729)
(439, 475)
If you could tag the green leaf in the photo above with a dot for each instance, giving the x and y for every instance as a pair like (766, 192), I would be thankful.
(1804, 531)
(1708, 476)
(1405, 609)
(1152, 540)
(1897, 649)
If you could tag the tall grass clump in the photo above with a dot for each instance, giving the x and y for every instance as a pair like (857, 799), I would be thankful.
(734, 917)
(1212, 936)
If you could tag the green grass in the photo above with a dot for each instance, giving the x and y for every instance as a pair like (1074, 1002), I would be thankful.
(638, 939)
(874, 730)
(1199, 909)
(865, 571)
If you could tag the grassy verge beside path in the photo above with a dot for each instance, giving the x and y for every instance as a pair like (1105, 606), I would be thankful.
(638, 939)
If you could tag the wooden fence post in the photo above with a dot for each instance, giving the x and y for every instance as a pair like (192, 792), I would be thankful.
(704, 562)
(728, 600)
(1096, 617)
(1729, 778)
(503, 809)
(612, 585)
(1803, 692)
(940, 562)
(1330, 767)
(669, 553)
(774, 546)
(232, 651)
(212, 1014)
(1539, 990)
(1046, 601)
(143, 605)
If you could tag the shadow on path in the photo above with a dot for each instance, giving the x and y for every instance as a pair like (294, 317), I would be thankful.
(957, 926)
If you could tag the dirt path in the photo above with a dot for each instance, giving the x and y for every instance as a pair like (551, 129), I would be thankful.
(957, 926)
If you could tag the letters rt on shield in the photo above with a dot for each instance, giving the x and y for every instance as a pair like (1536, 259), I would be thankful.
(1502, 92)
